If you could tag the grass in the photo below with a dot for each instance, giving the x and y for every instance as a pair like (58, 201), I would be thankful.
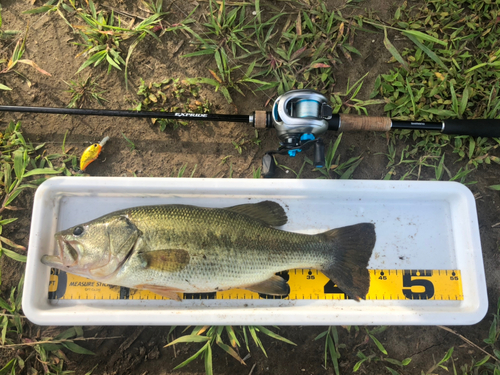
(437, 78)
(130, 144)
(6, 34)
(22, 168)
(171, 95)
(214, 335)
(16, 58)
(302, 55)
(41, 354)
(103, 33)
(83, 92)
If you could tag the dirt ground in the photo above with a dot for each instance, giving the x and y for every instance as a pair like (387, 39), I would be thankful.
(160, 154)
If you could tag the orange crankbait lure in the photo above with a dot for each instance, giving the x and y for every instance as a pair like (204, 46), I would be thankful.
(91, 153)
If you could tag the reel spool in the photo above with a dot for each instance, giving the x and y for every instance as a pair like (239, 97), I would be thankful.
(299, 117)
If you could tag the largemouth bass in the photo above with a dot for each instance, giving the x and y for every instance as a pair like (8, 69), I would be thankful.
(172, 249)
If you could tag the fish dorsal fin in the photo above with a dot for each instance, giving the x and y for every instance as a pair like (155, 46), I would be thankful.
(275, 286)
(267, 211)
(170, 260)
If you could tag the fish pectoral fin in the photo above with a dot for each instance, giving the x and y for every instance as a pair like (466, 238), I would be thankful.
(170, 260)
(268, 211)
(275, 286)
(164, 291)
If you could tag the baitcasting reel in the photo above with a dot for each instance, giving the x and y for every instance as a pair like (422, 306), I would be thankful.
(299, 117)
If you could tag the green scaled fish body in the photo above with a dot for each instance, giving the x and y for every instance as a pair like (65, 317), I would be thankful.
(171, 249)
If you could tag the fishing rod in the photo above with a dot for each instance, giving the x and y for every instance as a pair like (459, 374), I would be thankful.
(299, 117)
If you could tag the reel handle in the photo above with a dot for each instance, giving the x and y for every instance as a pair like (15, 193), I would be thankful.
(268, 166)
(319, 154)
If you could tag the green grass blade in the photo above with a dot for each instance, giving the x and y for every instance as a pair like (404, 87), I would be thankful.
(208, 51)
(454, 100)
(129, 54)
(7, 369)
(189, 338)
(322, 334)
(424, 36)
(13, 255)
(439, 169)
(218, 60)
(410, 92)
(464, 101)
(193, 357)
(231, 352)
(333, 354)
(392, 371)
(112, 62)
(208, 360)
(256, 339)
(427, 51)
(42, 171)
(93, 59)
(75, 348)
(274, 335)
(378, 344)
(439, 112)
(19, 165)
(13, 196)
(348, 173)
(394, 52)
(42, 9)
(447, 356)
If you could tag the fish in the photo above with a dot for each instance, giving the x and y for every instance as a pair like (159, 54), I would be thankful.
(173, 249)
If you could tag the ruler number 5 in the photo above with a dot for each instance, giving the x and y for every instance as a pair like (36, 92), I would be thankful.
(409, 282)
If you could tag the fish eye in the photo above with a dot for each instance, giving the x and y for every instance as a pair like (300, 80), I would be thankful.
(78, 231)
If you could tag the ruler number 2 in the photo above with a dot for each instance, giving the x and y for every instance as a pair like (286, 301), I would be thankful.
(411, 280)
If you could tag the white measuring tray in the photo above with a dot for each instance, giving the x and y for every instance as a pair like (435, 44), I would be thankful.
(419, 225)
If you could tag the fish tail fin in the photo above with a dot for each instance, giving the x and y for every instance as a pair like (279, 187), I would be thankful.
(352, 249)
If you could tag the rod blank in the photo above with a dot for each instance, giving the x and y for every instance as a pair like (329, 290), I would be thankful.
(120, 113)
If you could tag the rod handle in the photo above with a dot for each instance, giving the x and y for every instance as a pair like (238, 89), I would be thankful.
(357, 123)
(475, 128)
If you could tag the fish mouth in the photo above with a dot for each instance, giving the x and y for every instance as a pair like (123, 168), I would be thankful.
(68, 255)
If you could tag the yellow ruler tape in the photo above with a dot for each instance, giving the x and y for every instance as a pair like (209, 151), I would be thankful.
(443, 285)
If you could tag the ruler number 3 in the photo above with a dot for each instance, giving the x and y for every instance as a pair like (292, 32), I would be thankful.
(409, 281)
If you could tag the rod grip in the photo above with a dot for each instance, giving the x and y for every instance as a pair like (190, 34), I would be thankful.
(350, 123)
(475, 128)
